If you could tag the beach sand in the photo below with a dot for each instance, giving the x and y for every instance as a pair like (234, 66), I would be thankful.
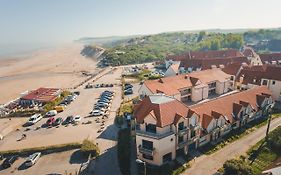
(61, 67)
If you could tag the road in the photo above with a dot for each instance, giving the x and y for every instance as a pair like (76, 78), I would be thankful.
(209, 164)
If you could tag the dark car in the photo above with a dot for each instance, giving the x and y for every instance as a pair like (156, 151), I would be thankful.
(127, 86)
(128, 91)
(9, 161)
(68, 120)
(77, 92)
(58, 121)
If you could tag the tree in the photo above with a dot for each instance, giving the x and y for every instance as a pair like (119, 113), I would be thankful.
(201, 36)
(89, 147)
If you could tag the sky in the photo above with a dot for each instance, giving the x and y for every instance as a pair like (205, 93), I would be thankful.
(47, 21)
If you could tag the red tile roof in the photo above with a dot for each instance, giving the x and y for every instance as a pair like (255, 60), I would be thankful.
(42, 94)
(165, 113)
(232, 69)
(230, 104)
(172, 84)
(269, 57)
(254, 74)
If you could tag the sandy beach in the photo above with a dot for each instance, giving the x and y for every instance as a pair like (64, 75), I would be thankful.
(61, 67)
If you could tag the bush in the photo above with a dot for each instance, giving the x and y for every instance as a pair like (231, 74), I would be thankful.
(236, 167)
(124, 151)
(274, 139)
(89, 147)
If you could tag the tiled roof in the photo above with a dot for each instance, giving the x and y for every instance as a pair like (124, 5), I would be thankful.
(230, 104)
(232, 69)
(269, 57)
(42, 94)
(166, 113)
(254, 74)
(172, 84)
(207, 54)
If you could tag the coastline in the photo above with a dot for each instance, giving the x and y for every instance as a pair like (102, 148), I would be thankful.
(60, 67)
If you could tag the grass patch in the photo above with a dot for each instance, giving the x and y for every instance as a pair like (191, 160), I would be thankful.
(124, 151)
(261, 155)
(236, 134)
(51, 105)
(43, 149)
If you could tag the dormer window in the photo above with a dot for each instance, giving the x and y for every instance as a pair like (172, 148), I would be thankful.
(150, 128)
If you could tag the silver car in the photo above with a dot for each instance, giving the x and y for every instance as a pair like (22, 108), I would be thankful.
(32, 159)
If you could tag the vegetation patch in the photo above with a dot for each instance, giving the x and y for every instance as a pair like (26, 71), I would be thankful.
(43, 149)
(51, 105)
(124, 151)
(261, 155)
(89, 147)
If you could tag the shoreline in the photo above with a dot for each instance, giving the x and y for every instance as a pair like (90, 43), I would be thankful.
(60, 67)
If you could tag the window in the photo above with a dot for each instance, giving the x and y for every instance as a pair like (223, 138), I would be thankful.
(264, 82)
(273, 82)
(148, 157)
(150, 128)
(234, 125)
(181, 126)
(232, 78)
(167, 157)
(147, 144)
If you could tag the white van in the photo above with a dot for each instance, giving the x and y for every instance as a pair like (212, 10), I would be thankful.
(51, 113)
(32, 159)
(34, 119)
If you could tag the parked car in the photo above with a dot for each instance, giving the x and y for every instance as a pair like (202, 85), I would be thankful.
(127, 86)
(8, 162)
(58, 121)
(76, 92)
(68, 120)
(76, 119)
(71, 97)
(34, 119)
(97, 113)
(51, 113)
(32, 159)
(128, 91)
(59, 108)
(50, 121)
(104, 100)
(106, 97)
(88, 86)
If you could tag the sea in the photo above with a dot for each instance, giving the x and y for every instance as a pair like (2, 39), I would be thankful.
(22, 50)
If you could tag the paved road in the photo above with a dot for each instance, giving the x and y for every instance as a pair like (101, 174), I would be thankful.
(209, 164)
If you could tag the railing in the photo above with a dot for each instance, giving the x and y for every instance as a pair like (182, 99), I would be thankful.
(182, 131)
(153, 135)
(193, 139)
(146, 151)
(182, 144)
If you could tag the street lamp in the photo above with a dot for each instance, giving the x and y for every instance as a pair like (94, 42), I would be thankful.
(142, 162)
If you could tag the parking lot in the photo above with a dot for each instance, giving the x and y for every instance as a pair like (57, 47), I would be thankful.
(72, 133)
(60, 163)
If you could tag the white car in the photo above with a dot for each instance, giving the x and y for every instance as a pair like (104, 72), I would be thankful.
(76, 119)
(97, 112)
(34, 119)
(51, 113)
(32, 159)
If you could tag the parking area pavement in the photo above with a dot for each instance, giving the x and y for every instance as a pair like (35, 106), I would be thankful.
(136, 87)
(60, 163)
(59, 135)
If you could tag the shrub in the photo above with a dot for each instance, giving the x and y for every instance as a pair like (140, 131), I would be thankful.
(237, 167)
(89, 147)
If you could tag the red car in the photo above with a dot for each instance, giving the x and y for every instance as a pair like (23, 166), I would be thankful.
(50, 121)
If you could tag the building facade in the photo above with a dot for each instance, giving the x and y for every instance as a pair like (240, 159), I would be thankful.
(166, 128)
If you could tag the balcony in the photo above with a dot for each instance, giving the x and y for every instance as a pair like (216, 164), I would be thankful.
(182, 144)
(182, 131)
(193, 139)
(153, 135)
(146, 151)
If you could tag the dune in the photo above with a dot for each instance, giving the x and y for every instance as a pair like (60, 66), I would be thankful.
(61, 67)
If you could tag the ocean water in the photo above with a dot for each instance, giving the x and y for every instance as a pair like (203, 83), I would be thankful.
(21, 50)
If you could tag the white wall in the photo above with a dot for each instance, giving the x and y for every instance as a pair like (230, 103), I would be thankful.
(170, 72)
(197, 93)
(144, 90)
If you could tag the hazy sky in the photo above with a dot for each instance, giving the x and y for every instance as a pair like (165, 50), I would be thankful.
(24, 21)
